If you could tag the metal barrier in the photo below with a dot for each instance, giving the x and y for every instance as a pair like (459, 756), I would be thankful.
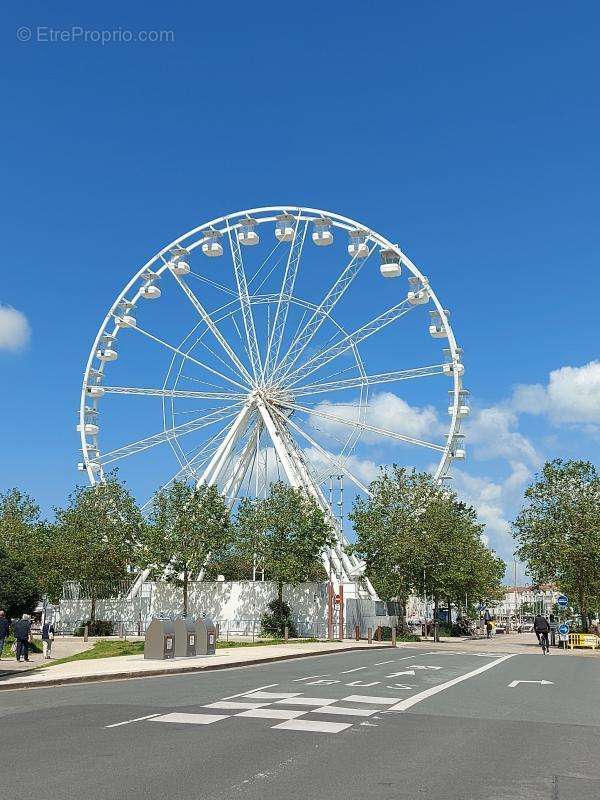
(584, 640)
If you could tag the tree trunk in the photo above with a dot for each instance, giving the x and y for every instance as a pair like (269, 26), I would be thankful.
(436, 604)
(583, 611)
(449, 602)
(185, 592)
(93, 607)
(280, 591)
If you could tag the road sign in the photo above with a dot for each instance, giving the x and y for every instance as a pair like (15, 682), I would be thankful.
(563, 629)
(562, 600)
(516, 683)
(338, 599)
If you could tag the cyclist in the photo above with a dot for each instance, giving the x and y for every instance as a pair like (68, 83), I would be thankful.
(542, 628)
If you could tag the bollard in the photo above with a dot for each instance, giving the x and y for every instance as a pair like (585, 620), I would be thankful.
(286, 633)
(85, 634)
(378, 633)
(393, 636)
(357, 632)
(370, 635)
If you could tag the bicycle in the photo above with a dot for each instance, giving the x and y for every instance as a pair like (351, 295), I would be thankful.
(544, 643)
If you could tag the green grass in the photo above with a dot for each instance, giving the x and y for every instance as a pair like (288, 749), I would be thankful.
(34, 647)
(112, 648)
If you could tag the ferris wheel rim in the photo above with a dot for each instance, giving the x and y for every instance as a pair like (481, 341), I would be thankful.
(264, 215)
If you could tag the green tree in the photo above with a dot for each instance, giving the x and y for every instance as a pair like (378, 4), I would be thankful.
(558, 531)
(97, 536)
(188, 525)
(21, 554)
(286, 533)
(416, 536)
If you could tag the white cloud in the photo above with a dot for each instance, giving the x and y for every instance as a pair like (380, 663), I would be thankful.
(492, 433)
(14, 329)
(496, 503)
(365, 469)
(572, 395)
(385, 410)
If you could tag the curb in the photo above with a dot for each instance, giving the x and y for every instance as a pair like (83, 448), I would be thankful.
(162, 673)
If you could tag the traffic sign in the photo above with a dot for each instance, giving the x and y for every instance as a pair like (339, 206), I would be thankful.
(338, 599)
(562, 600)
(563, 629)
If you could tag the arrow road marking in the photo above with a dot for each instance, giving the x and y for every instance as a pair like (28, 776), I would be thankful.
(542, 683)
(418, 666)
(396, 674)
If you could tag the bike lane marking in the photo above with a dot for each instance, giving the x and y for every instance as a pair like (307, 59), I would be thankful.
(403, 705)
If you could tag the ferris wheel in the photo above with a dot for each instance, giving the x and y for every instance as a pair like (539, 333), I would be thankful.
(269, 344)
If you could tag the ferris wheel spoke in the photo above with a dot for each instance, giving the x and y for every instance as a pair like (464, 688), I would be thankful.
(285, 294)
(364, 427)
(368, 380)
(212, 326)
(244, 298)
(187, 356)
(349, 341)
(138, 390)
(331, 458)
(326, 306)
(170, 433)
(214, 284)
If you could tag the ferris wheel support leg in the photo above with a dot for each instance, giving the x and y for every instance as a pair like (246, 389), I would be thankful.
(233, 484)
(211, 473)
(298, 477)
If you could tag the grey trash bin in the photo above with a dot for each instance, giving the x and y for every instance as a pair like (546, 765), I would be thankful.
(159, 641)
(206, 637)
(185, 637)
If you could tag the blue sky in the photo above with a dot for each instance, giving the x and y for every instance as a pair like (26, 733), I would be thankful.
(467, 133)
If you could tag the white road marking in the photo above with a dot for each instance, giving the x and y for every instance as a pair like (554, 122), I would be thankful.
(398, 686)
(420, 666)
(307, 701)
(241, 694)
(191, 719)
(270, 695)
(271, 713)
(311, 726)
(542, 683)
(346, 711)
(308, 677)
(406, 672)
(235, 705)
(403, 705)
(322, 682)
(128, 721)
(380, 663)
(365, 698)
(362, 683)
(347, 671)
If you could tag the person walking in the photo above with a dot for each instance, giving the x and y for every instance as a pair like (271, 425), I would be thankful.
(4, 628)
(487, 618)
(22, 629)
(541, 626)
(47, 639)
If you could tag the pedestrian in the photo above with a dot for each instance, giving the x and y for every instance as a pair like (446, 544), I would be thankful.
(47, 639)
(22, 629)
(487, 618)
(4, 628)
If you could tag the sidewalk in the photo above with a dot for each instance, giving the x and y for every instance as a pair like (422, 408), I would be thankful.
(62, 647)
(122, 667)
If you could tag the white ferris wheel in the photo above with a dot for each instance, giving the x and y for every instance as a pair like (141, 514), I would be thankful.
(274, 348)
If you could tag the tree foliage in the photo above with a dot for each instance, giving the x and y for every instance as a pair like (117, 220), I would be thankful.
(98, 535)
(285, 533)
(188, 525)
(558, 531)
(21, 556)
(416, 536)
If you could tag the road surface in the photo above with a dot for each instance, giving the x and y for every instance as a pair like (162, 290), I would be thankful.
(419, 722)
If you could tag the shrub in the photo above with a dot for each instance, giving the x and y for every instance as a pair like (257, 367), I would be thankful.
(98, 627)
(386, 635)
(277, 619)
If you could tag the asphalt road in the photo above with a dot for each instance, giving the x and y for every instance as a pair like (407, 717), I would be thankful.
(404, 723)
